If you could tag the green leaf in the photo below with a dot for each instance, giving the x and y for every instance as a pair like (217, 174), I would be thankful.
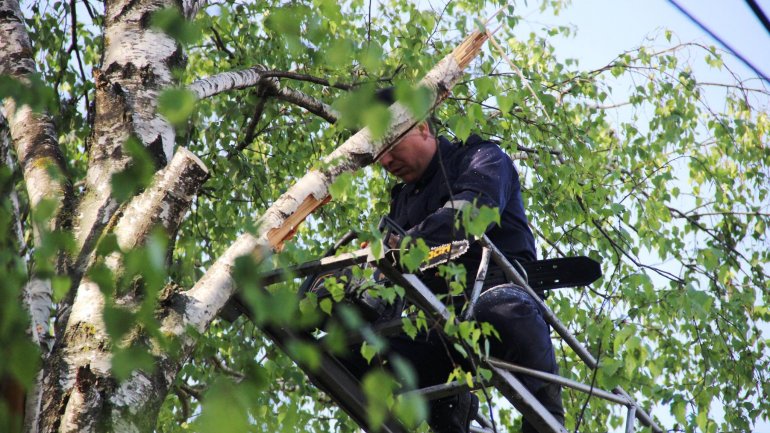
(368, 351)
(60, 286)
(224, 409)
(118, 321)
(304, 353)
(34, 92)
(326, 305)
(476, 221)
(107, 244)
(377, 118)
(372, 57)
(137, 175)
(409, 327)
(505, 102)
(411, 410)
(172, 22)
(176, 105)
(413, 253)
(378, 388)
(417, 99)
(125, 361)
(462, 127)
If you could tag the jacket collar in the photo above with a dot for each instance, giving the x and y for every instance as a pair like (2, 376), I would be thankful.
(444, 149)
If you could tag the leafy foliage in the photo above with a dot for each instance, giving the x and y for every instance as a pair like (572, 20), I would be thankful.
(629, 164)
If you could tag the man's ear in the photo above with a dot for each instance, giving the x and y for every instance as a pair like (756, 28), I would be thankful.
(423, 128)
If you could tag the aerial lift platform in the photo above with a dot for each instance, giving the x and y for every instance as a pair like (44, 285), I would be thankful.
(344, 388)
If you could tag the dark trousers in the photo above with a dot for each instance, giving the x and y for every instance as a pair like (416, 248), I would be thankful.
(524, 340)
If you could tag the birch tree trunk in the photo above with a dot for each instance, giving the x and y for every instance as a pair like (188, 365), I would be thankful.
(79, 381)
(79, 391)
(136, 67)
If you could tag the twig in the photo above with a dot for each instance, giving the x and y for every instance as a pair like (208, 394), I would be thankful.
(518, 71)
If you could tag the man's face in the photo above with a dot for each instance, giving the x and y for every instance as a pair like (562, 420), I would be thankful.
(409, 158)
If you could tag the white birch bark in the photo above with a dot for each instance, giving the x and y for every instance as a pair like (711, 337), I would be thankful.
(136, 68)
(37, 151)
(234, 80)
(226, 81)
(163, 204)
(33, 135)
(42, 165)
(39, 155)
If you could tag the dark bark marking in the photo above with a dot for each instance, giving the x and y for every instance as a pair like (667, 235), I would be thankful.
(155, 148)
(85, 379)
(125, 10)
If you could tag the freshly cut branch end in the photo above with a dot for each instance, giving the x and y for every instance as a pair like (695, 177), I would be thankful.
(279, 235)
(469, 48)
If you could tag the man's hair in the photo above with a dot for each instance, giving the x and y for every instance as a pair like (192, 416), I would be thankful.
(387, 96)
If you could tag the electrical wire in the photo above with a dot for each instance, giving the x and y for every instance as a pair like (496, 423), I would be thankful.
(759, 13)
(718, 39)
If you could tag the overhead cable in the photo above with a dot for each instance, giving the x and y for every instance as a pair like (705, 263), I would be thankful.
(718, 39)
(759, 13)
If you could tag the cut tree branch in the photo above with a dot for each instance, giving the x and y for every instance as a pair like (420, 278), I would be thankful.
(163, 204)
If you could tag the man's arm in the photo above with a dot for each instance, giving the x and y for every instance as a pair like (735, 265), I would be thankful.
(486, 177)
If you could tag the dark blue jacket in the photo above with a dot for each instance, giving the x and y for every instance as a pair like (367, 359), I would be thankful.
(478, 171)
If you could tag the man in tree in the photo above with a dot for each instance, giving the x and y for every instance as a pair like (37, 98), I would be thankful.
(439, 179)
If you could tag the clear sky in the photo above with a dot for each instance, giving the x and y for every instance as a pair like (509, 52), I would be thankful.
(606, 28)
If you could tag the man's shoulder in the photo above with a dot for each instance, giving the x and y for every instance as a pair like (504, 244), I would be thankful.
(476, 143)
(396, 189)
(477, 140)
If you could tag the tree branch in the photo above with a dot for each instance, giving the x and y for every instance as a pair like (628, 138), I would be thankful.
(257, 76)
(163, 204)
(226, 81)
(251, 127)
(309, 103)
(309, 78)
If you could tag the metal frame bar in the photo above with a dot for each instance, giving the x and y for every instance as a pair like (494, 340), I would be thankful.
(344, 388)
(513, 275)
(505, 382)
(333, 378)
(563, 381)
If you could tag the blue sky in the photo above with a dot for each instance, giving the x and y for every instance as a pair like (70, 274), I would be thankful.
(606, 28)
